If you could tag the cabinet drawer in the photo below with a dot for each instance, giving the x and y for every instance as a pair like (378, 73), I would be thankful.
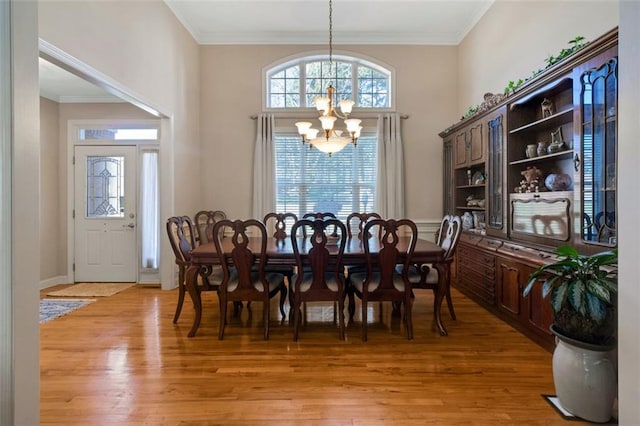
(474, 256)
(483, 289)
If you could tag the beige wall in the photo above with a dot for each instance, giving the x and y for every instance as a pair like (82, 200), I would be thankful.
(231, 82)
(514, 38)
(156, 64)
(159, 63)
(50, 192)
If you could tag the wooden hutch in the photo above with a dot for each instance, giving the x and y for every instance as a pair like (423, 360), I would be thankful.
(517, 226)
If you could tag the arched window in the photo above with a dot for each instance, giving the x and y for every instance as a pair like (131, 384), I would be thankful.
(307, 180)
(294, 83)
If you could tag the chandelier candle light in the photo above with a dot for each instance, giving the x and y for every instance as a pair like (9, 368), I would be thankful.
(332, 140)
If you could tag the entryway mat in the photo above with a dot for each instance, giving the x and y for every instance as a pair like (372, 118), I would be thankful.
(91, 290)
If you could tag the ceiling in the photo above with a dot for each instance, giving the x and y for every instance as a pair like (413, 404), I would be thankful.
(295, 22)
(307, 21)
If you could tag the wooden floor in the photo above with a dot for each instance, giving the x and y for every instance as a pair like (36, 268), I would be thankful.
(121, 361)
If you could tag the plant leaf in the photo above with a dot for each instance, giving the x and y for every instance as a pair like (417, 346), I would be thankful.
(597, 289)
(596, 308)
(567, 251)
(576, 296)
(558, 296)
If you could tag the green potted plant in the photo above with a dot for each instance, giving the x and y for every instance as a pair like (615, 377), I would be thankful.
(582, 290)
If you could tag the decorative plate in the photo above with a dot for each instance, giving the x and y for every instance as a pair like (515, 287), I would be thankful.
(477, 178)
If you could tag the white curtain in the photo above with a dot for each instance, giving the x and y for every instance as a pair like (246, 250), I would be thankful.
(390, 185)
(149, 206)
(264, 181)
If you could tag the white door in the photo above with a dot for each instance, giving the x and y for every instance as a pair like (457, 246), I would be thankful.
(105, 214)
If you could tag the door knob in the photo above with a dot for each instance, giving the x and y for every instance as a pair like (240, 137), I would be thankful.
(131, 225)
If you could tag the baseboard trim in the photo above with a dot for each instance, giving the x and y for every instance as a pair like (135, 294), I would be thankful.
(50, 282)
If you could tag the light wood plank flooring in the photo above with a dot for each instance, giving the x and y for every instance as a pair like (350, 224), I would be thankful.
(121, 361)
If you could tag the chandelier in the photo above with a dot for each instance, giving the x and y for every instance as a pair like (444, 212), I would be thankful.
(331, 140)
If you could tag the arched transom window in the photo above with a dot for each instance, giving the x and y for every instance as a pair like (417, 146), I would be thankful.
(295, 83)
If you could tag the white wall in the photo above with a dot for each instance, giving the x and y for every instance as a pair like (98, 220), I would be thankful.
(628, 207)
(25, 189)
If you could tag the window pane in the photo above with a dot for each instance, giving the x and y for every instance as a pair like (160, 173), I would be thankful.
(308, 180)
(105, 187)
(277, 101)
(118, 134)
(371, 88)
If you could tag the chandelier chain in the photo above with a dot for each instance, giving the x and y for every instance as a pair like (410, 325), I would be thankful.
(331, 66)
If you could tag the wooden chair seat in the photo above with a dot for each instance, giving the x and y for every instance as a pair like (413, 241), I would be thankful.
(246, 279)
(384, 283)
(322, 277)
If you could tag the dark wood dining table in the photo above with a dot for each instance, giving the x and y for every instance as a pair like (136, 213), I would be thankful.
(280, 252)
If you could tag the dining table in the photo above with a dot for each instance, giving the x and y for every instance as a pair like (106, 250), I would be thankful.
(280, 251)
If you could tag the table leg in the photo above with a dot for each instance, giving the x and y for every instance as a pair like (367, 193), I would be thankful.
(191, 283)
(443, 288)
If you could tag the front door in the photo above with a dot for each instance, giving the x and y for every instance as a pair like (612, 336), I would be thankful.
(105, 214)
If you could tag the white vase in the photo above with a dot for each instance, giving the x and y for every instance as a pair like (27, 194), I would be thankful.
(584, 378)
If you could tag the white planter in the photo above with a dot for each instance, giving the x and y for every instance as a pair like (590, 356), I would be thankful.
(584, 378)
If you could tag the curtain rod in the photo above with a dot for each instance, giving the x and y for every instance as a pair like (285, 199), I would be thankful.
(285, 117)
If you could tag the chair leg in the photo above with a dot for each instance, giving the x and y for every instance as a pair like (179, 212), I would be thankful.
(450, 304)
(408, 317)
(341, 315)
(266, 313)
(283, 297)
(223, 316)
(352, 304)
(181, 291)
(364, 317)
(297, 318)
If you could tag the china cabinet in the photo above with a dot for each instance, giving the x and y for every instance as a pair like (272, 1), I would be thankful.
(543, 162)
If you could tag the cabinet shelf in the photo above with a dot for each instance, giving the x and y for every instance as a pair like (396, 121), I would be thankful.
(480, 185)
(554, 156)
(469, 208)
(554, 120)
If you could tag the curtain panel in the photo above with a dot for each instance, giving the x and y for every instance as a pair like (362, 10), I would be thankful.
(390, 183)
(264, 167)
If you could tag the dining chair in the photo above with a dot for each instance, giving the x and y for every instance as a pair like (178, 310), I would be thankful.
(321, 278)
(182, 240)
(317, 215)
(425, 276)
(279, 222)
(385, 283)
(357, 221)
(244, 276)
(204, 222)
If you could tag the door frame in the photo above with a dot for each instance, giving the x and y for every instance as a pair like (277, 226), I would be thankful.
(166, 149)
(73, 127)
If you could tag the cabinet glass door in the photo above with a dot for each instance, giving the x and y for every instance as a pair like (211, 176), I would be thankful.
(495, 195)
(599, 146)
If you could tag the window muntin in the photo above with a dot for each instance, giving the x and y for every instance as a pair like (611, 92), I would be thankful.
(296, 83)
(308, 180)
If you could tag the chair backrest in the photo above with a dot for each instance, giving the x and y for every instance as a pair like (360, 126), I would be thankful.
(449, 234)
(390, 251)
(316, 215)
(204, 222)
(318, 255)
(249, 241)
(181, 237)
(279, 223)
(359, 220)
